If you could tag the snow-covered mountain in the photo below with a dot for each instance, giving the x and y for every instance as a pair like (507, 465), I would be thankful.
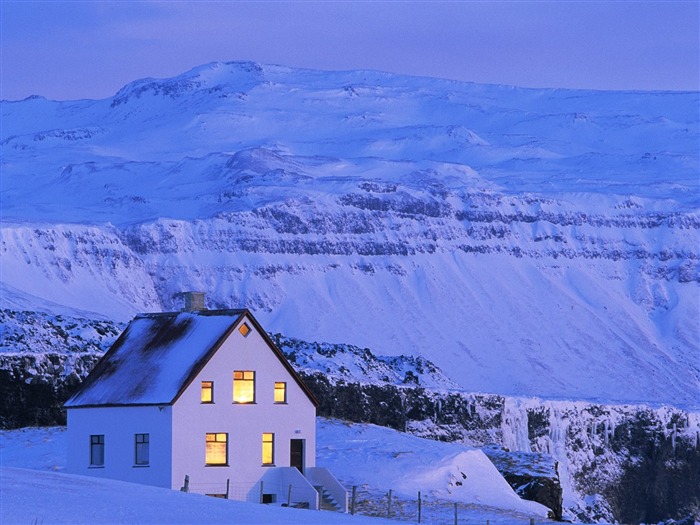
(529, 242)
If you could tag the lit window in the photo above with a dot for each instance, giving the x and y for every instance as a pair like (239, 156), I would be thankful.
(244, 329)
(244, 386)
(142, 445)
(268, 448)
(217, 449)
(97, 450)
(280, 392)
(207, 391)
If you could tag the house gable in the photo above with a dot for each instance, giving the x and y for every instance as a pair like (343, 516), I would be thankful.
(159, 355)
(248, 318)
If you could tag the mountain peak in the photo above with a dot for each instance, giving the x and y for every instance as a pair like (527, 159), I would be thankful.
(210, 78)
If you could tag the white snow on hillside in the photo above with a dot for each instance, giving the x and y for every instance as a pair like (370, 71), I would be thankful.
(376, 458)
(30, 496)
(407, 464)
(528, 242)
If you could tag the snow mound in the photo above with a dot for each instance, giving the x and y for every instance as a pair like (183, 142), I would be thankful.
(468, 477)
(406, 464)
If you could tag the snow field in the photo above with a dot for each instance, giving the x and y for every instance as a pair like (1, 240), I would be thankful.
(373, 458)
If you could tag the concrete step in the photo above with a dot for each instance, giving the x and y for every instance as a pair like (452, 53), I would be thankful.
(326, 500)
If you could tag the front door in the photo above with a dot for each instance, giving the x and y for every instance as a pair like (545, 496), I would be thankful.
(296, 454)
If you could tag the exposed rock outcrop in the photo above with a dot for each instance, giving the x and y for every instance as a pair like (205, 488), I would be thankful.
(33, 387)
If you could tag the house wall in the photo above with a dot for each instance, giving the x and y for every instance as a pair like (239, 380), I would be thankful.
(119, 426)
(244, 423)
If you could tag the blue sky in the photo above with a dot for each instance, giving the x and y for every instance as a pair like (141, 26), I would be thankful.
(89, 49)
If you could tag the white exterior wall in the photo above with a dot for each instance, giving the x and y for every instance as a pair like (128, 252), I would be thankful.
(244, 423)
(119, 426)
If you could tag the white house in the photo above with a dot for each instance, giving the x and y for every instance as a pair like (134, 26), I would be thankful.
(202, 394)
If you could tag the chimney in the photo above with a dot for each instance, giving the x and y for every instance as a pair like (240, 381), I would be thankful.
(194, 301)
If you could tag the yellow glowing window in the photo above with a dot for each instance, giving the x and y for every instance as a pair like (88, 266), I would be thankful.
(217, 449)
(244, 386)
(207, 391)
(280, 392)
(244, 330)
(268, 448)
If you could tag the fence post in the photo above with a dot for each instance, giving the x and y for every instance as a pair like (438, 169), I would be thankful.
(455, 513)
(289, 496)
(419, 506)
(261, 491)
(352, 501)
(388, 509)
(186, 486)
(532, 521)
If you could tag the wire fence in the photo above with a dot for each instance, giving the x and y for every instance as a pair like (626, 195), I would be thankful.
(426, 509)
(368, 501)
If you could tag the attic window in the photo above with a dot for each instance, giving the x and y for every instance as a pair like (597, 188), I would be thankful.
(244, 329)
(207, 391)
(217, 449)
(244, 386)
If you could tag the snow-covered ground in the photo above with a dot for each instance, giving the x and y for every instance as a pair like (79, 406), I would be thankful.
(40, 497)
(380, 458)
(375, 459)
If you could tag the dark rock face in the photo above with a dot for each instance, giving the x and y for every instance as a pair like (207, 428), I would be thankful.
(662, 476)
(532, 475)
(645, 463)
(33, 387)
(449, 416)
(544, 490)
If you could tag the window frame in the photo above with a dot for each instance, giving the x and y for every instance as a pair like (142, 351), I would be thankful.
(284, 392)
(269, 442)
(139, 447)
(242, 381)
(216, 439)
(203, 388)
(97, 450)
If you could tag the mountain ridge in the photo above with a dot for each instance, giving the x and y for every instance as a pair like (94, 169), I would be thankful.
(530, 242)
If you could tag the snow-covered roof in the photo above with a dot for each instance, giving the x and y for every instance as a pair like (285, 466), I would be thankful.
(158, 355)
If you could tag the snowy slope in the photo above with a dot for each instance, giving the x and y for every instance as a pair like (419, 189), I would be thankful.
(529, 242)
(73, 500)
(409, 464)
(390, 459)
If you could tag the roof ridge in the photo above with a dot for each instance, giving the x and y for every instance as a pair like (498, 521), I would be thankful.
(224, 311)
